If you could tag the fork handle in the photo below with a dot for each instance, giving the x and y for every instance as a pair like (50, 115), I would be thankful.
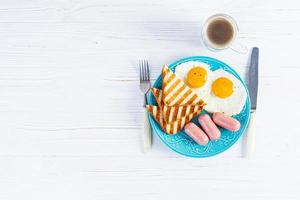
(147, 134)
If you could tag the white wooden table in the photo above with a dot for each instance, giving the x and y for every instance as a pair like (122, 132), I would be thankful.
(70, 114)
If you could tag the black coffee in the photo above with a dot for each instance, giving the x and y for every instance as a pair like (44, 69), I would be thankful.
(220, 32)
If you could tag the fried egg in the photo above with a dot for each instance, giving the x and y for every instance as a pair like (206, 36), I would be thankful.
(196, 75)
(219, 89)
(227, 93)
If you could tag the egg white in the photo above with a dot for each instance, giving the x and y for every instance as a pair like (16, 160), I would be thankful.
(231, 105)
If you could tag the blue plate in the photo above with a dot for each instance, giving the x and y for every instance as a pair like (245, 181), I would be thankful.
(181, 142)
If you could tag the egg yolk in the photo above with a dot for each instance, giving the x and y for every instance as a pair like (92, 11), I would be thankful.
(196, 77)
(222, 87)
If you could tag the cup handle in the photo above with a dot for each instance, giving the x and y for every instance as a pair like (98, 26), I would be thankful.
(239, 47)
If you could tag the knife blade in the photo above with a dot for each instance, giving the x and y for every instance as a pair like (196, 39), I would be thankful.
(253, 78)
(253, 89)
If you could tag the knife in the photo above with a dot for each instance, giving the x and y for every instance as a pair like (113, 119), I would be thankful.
(253, 88)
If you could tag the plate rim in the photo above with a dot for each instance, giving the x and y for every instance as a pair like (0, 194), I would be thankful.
(198, 58)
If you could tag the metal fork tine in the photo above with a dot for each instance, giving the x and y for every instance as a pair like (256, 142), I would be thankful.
(140, 68)
(145, 71)
(148, 71)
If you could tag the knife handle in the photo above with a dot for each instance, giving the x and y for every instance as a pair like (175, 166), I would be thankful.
(250, 137)
(147, 134)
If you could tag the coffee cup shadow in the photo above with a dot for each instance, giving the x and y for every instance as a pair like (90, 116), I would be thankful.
(174, 31)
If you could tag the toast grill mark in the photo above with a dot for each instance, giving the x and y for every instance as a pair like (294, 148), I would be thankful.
(173, 113)
(172, 127)
(177, 103)
(175, 91)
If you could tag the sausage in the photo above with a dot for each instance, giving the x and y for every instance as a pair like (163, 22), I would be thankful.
(226, 122)
(209, 127)
(196, 133)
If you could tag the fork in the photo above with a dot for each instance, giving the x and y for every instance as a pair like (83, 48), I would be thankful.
(144, 87)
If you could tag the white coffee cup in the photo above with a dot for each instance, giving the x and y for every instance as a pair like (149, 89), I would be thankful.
(220, 32)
